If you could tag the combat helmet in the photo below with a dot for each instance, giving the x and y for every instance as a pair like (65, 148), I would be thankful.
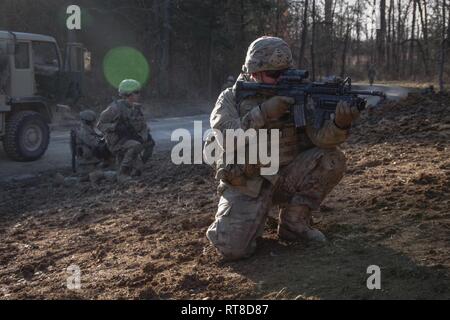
(88, 116)
(268, 54)
(128, 86)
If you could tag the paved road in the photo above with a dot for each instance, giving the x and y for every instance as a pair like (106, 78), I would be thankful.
(58, 154)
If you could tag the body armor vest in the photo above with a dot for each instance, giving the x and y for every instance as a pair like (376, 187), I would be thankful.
(290, 137)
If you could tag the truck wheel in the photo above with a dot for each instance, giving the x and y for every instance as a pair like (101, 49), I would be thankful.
(27, 136)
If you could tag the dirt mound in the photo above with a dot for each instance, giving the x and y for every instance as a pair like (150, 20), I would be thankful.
(147, 240)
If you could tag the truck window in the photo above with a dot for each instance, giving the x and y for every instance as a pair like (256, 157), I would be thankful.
(45, 54)
(22, 56)
(4, 68)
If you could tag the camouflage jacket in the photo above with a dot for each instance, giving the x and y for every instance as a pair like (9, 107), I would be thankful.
(118, 111)
(247, 115)
(87, 140)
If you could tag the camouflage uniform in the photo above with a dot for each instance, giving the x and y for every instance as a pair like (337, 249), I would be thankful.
(125, 149)
(310, 167)
(87, 142)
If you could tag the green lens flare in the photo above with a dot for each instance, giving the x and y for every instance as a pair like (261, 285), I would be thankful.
(125, 63)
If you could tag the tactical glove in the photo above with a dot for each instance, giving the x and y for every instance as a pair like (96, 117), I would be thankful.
(276, 107)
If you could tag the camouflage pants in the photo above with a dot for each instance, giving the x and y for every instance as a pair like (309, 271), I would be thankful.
(240, 219)
(127, 154)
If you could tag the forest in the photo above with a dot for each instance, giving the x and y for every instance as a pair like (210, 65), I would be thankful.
(69, 232)
(192, 46)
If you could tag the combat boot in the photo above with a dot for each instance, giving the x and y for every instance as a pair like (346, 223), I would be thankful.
(295, 224)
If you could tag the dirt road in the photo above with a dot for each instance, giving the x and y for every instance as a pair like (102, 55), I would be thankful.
(58, 154)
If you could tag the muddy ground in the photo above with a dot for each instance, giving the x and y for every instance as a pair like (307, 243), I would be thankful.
(147, 240)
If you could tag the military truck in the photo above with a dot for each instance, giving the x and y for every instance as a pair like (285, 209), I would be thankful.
(34, 79)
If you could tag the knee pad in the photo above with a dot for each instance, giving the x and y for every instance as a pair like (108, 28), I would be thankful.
(334, 160)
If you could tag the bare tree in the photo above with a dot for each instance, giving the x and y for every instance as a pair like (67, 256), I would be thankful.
(304, 34)
(381, 34)
(328, 38)
(313, 40)
(443, 49)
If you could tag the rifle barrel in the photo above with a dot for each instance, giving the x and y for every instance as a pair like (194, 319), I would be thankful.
(368, 93)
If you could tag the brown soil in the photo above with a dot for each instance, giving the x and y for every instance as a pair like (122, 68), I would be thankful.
(147, 240)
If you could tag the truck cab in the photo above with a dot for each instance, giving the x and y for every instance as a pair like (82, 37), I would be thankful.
(34, 78)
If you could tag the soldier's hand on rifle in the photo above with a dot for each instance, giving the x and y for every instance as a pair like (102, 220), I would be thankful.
(276, 107)
(345, 115)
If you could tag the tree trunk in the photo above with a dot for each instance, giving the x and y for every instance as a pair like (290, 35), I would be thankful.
(210, 63)
(424, 23)
(328, 45)
(304, 35)
(242, 27)
(313, 40)
(448, 32)
(381, 36)
(358, 32)
(412, 43)
(165, 49)
(443, 49)
(399, 50)
(388, 53)
(393, 41)
(344, 52)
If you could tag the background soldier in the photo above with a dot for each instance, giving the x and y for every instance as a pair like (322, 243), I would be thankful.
(310, 163)
(87, 144)
(126, 131)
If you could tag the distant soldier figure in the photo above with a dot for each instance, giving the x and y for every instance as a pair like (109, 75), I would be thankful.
(229, 83)
(126, 131)
(89, 152)
(372, 73)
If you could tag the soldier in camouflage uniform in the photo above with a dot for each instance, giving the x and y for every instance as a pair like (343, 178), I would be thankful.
(126, 131)
(311, 165)
(88, 143)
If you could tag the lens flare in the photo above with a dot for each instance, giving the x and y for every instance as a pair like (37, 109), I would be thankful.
(125, 63)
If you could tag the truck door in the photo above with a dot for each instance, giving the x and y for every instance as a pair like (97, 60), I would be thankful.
(46, 62)
(22, 71)
(72, 76)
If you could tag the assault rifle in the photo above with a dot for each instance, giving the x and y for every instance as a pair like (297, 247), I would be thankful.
(325, 95)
